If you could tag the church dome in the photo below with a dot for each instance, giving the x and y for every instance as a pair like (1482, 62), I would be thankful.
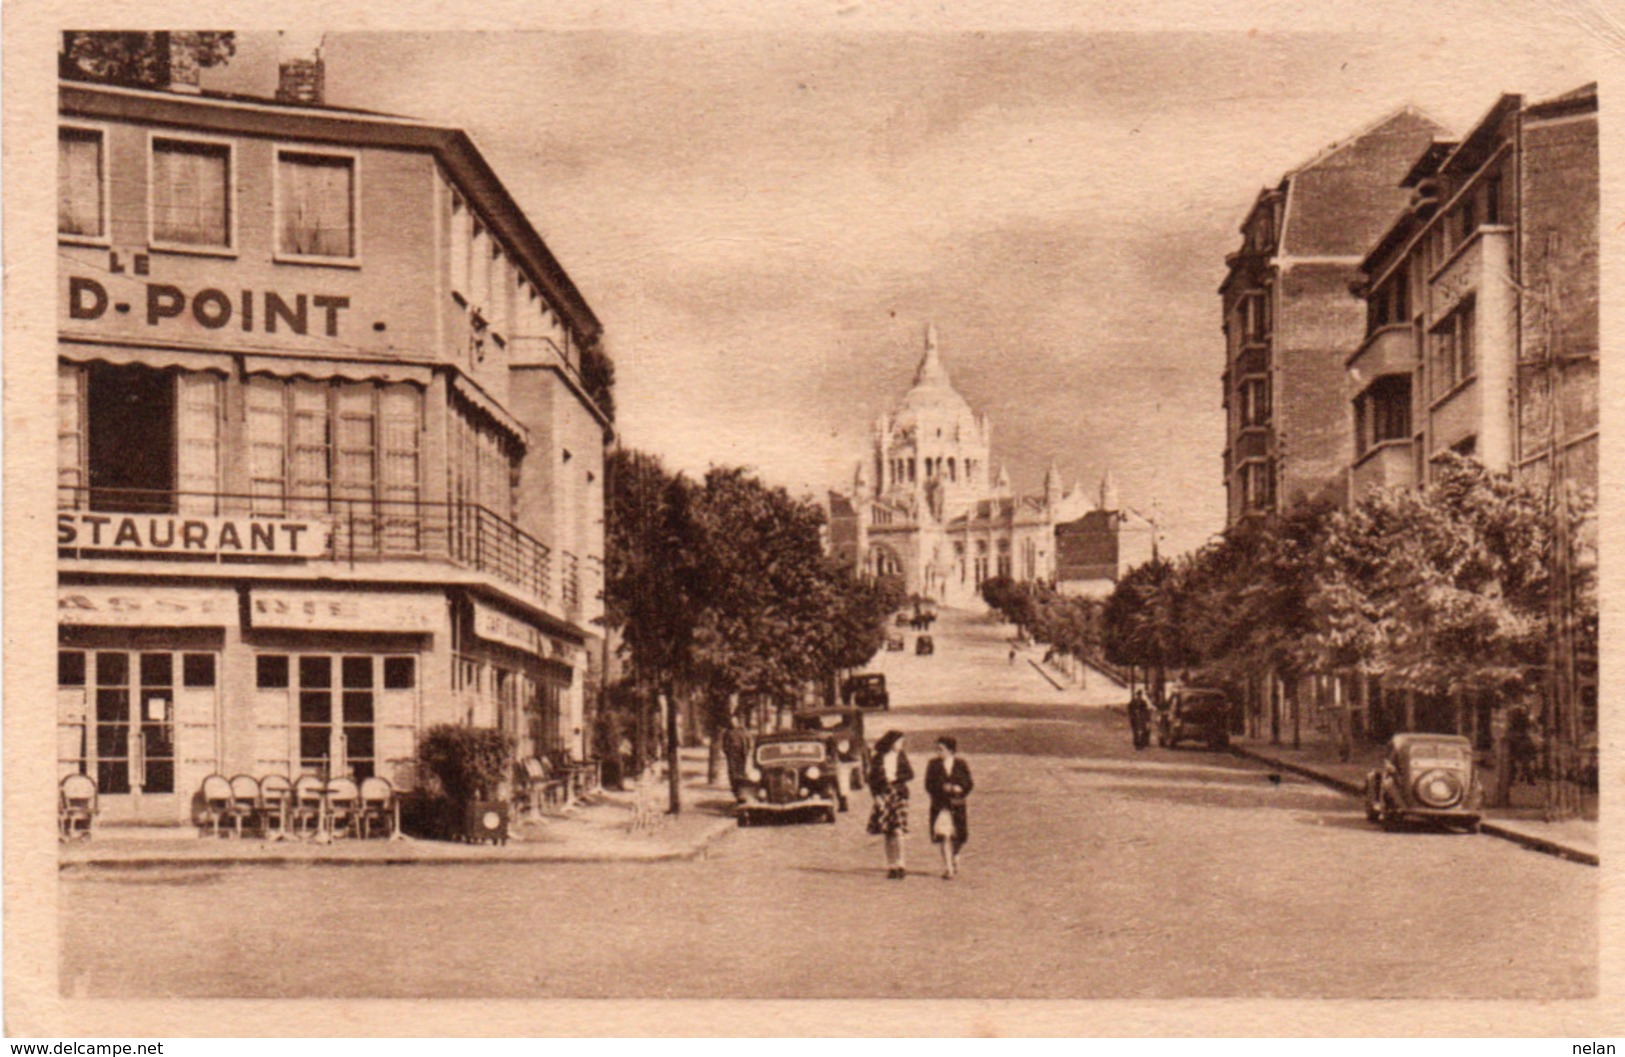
(932, 397)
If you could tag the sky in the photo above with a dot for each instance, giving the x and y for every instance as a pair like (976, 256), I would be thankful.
(766, 221)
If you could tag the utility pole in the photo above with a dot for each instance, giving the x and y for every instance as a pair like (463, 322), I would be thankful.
(1561, 735)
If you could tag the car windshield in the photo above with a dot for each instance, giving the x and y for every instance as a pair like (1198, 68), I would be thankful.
(830, 721)
(1441, 752)
(869, 680)
(790, 752)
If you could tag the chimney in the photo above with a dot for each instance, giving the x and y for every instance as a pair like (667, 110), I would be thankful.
(301, 75)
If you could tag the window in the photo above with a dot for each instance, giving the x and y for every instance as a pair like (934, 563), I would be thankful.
(1255, 402)
(1469, 218)
(316, 205)
(461, 237)
(1257, 486)
(81, 183)
(197, 669)
(1492, 200)
(1454, 358)
(1383, 412)
(191, 194)
(1255, 316)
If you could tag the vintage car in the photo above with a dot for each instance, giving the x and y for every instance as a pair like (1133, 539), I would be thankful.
(846, 725)
(894, 643)
(1195, 713)
(924, 647)
(866, 690)
(792, 772)
(1425, 778)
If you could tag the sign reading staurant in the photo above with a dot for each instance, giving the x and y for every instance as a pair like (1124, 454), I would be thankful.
(346, 611)
(493, 625)
(156, 533)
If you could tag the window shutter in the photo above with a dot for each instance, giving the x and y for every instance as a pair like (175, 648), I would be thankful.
(312, 474)
(79, 183)
(273, 747)
(357, 450)
(268, 444)
(198, 442)
(459, 247)
(70, 433)
(401, 414)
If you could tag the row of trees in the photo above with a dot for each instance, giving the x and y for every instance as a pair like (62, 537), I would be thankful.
(1445, 592)
(1071, 626)
(720, 587)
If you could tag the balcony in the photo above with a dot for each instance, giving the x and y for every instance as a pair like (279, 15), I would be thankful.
(1388, 350)
(1388, 464)
(274, 531)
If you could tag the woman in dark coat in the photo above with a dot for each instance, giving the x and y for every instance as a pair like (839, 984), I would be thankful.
(889, 775)
(948, 783)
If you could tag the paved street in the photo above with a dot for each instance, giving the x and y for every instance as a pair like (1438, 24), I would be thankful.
(1092, 871)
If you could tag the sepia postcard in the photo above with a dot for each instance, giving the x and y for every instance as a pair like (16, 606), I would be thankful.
(860, 519)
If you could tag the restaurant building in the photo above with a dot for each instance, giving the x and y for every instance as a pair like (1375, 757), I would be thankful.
(328, 472)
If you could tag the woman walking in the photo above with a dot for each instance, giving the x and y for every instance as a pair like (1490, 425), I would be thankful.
(948, 783)
(889, 775)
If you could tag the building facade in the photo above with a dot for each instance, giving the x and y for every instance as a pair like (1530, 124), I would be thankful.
(327, 471)
(1481, 305)
(1289, 322)
(927, 507)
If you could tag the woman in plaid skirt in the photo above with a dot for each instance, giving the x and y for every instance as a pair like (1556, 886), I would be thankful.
(889, 775)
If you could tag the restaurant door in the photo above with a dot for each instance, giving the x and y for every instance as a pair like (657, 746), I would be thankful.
(141, 723)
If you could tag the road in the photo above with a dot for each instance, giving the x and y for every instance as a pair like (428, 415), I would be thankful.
(1093, 872)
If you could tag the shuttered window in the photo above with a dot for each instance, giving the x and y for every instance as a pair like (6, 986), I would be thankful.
(200, 399)
(70, 433)
(268, 444)
(316, 199)
(311, 446)
(191, 193)
(356, 432)
(400, 416)
(80, 179)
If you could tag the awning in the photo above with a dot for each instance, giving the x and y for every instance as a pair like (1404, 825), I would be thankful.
(466, 388)
(160, 359)
(322, 369)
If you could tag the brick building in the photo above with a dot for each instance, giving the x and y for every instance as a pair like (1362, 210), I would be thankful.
(1289, 322)
(328, 473)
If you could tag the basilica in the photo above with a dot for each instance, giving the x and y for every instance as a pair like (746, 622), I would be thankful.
(927, 505)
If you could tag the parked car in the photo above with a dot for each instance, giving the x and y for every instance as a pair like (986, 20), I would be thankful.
(846, 726)
(894, 643)
(924, 647)
(794, 772)
(1195, 713)
(867, 690)
(904, 619)
(1425, 778)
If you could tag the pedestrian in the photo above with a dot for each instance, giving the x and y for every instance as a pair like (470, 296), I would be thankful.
(736, 753)
(889, 775)
(1139, 720)
(948, 782)
(1012, 653)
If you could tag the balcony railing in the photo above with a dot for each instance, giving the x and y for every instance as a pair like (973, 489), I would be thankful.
(571, 587)
(356, 531)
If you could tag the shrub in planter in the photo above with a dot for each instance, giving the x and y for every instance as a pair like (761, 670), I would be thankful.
(469, 766)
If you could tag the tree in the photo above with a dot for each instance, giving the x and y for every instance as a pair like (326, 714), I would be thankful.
(142, 60)
(598, 378)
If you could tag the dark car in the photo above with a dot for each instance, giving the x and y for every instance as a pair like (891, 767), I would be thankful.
(867, 690)
(846, 726)
(791, 773)
(1425, 778)
(924, 647)
(1195, 714)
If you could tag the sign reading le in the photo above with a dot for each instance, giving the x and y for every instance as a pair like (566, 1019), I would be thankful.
(149, 533)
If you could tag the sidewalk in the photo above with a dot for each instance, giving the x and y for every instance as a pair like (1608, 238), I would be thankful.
(599, 830)
(1575, 839)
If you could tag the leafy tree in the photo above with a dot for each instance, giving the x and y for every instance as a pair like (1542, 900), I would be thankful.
(598, 378)
(139, 59)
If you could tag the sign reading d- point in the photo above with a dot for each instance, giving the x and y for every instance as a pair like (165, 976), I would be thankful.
(161, 304)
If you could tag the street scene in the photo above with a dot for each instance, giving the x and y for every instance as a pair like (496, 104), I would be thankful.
(827, 515)
(1092, 870)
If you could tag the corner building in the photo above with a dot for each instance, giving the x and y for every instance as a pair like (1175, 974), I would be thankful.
(328, 473)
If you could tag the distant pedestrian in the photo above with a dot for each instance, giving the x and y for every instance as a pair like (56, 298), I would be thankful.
(1139, 720)
(948, 782)
(736, 753)
(889, 775)
(1012, 653)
